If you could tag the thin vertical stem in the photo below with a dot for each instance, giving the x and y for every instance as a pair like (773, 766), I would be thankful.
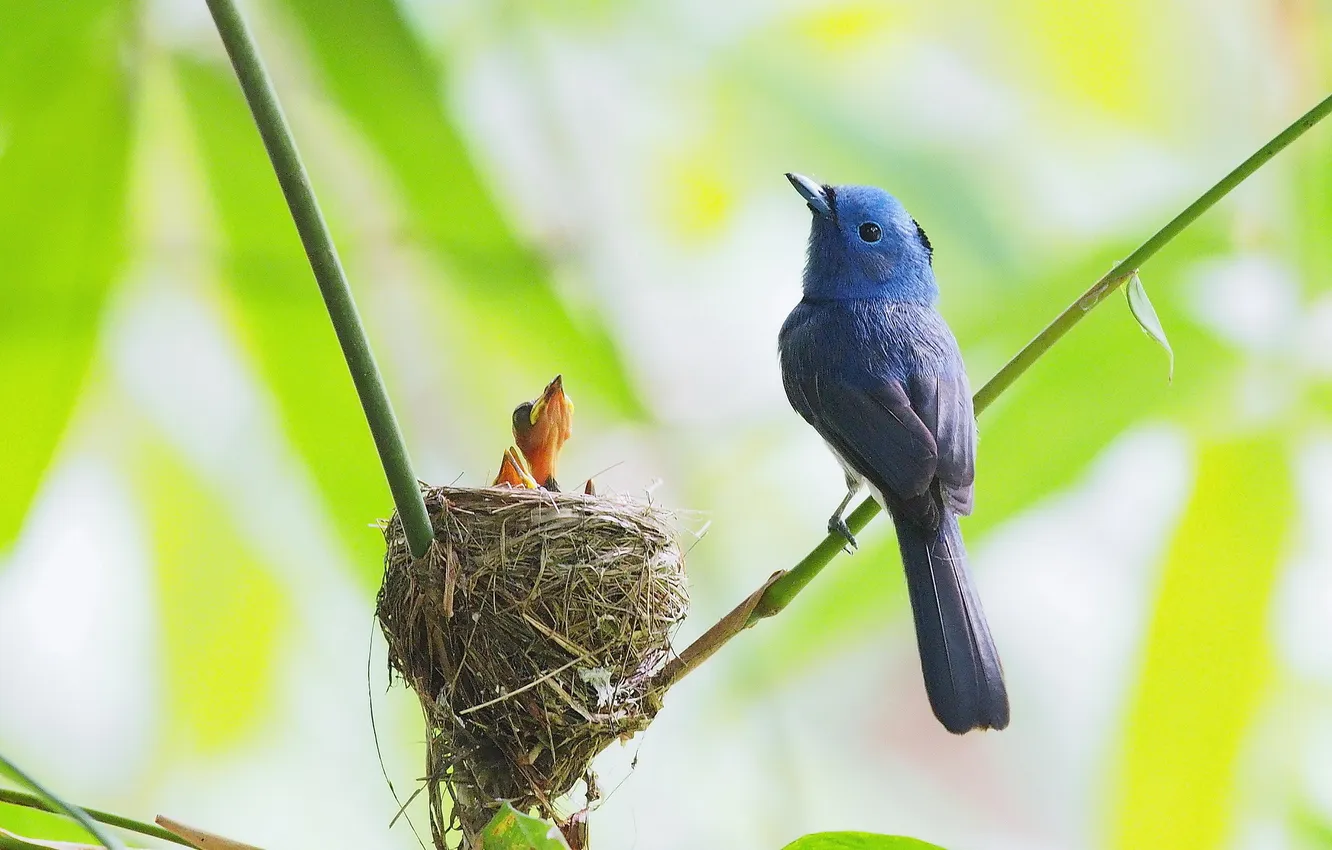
(328, 272)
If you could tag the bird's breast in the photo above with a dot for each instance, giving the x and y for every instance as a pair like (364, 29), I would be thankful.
(867, 339)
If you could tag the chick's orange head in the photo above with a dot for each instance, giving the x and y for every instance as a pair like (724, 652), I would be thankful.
(540, 428)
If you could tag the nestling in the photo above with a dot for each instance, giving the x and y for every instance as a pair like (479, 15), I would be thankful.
(541, 427)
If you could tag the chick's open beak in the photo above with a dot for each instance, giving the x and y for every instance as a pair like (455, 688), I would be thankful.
(514, 472)
(553, 399)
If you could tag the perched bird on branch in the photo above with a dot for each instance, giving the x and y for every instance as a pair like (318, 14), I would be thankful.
(872, 366)
(540, 428)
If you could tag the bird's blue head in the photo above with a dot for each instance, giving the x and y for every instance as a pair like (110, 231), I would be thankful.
(864, 244)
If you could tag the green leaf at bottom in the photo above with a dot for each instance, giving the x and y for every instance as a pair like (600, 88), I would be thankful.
(510, 829)
(858, 841)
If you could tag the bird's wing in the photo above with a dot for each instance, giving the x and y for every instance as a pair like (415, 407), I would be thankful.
(944, 406)
(878, 433)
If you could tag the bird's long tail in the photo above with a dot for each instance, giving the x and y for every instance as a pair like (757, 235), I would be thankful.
(963, 677)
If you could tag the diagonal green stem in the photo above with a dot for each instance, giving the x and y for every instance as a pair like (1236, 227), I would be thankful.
(32, 801)
(58, 805)
(1120, 273)
(328, 272)
(782, 588)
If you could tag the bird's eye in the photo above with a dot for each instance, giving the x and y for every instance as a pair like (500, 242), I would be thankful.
(871, 232)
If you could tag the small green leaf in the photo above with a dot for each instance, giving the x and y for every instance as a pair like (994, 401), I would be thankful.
(858, 841)
(510, 829)
(1145, 313)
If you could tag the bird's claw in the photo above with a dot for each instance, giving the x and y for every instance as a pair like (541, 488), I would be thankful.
(837, 525)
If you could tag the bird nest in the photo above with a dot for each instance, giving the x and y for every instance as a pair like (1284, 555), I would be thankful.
(530, 632)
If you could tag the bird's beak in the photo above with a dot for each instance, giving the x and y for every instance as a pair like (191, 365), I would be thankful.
(814, 194)
(553, 394)
(514, 471)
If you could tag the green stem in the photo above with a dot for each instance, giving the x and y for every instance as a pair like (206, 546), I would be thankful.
(1120, 273)
(58, 805)
(780, 590)
(328, 272)
(19, 798)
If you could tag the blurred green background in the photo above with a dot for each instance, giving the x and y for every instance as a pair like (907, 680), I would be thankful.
(187, 552)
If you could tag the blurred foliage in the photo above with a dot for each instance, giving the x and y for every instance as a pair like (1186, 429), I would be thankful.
(858, 841)
(661, 133)
(278, 309)
(222, 611)
(64, 98)
(380, 75)
(1206, 660)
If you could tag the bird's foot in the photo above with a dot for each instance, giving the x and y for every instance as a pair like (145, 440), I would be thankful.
(837, 525)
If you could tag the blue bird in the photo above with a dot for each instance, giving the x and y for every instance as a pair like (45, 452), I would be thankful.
(872, 366)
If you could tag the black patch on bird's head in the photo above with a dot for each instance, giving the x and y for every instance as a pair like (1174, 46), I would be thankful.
(522, 417)
(924, 241)
(830, 193)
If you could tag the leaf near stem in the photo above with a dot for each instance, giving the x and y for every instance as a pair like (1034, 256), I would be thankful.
(1141, 307)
